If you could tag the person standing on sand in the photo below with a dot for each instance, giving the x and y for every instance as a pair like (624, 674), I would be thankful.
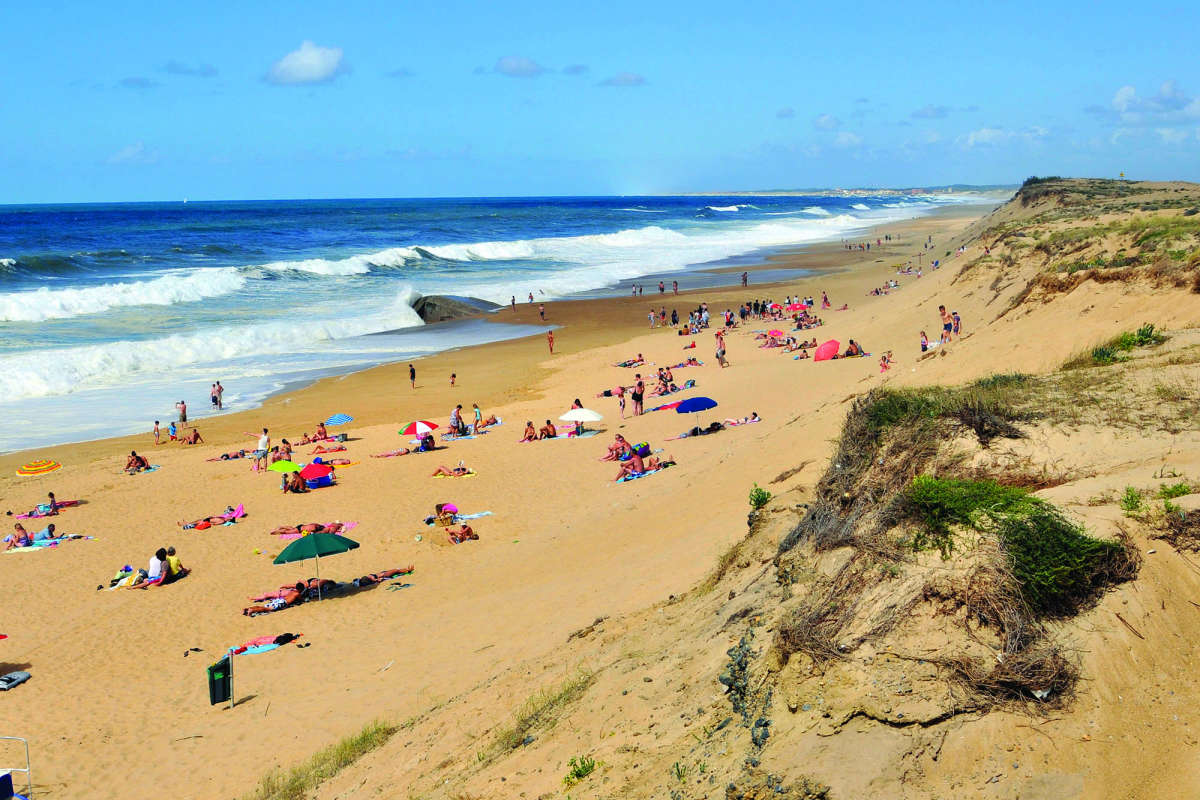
(542, 311)
(550, 341)
(453, 378)
(661, 287)
(412, 375)
(745, 278)
(947, 325)
(261, 451)
(675, 287)
(721, 349)
(514, 303)
(220, 396)
(639, 391)
(957, 323)
(531, 298)
(157, 433)
(212, 395)
(182, 406)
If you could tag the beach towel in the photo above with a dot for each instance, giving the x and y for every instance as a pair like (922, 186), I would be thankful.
(151, 468)
(431, 522)
(469, 474)
(574, 435)
(44, 509)
(637, 475)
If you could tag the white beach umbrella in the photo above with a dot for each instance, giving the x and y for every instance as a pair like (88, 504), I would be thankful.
(581, 415)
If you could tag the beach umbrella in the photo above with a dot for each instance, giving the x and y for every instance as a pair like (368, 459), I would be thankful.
(339, 419)
(775, 333)
(314, 546)
(39, 467)
(284, 466)
(797, 307)
(827, 350)
(314, 471)
(419, 428)
(581, 415)
(694, 405)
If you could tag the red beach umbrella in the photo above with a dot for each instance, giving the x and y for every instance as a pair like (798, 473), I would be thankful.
(314, 471)
(775, 333)
(827, 350)
(419, 428)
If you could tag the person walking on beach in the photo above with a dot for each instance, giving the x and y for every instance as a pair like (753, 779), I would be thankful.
(721, 349)
(531, 298)
(212, 395)
(650, 317)
(157, 433)
(220, 396)
(745, 278)
(639, 391)
(675, 287)
(514, 303)
(957, 323)
(542, 311)
(453, 378)
(412, 375)
(661, 287)
(550, 341)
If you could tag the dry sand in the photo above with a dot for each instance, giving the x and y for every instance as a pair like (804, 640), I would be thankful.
(114, 702)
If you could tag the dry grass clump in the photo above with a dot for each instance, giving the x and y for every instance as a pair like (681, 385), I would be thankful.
(1039, 672)
(1180, 529)
(540, 711)
(296, 783)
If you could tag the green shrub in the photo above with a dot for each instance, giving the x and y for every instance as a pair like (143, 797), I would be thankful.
(578, 768)
(1131, 500)
(1002, 380)
(1104, 354)
(759, 497)
(1174, 490)
(1055, 563)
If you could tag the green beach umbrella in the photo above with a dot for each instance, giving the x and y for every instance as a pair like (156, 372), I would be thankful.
(284, 466)
(314, 546)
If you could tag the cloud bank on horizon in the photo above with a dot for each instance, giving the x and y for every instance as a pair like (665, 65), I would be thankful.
(547, 99)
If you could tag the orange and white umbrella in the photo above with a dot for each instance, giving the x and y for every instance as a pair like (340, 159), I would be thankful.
(39, 467)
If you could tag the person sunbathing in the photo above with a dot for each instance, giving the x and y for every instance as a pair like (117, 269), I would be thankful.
(633, 466)
(294, 483)
(531, 433)
(136, 463)
(403, 451)
(319, 449)
(654, 462)
(321, 434)
(282, 451)
(615, 450)
(304, 439)
(547, 431)
(289, 596)
(208, 522)
(236, 454)
(337, 462)
(462, 534)
(308, 527)
(373, 578)
(193, 438)
(754, 417)
(457, 472)
(18, 538)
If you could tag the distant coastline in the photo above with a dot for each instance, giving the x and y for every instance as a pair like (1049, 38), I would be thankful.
(952, 189)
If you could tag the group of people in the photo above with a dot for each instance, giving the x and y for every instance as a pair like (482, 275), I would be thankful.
(951, 327)
(635, 460)
(887, 288)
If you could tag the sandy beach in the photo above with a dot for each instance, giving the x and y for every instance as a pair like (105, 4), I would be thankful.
(117, 690)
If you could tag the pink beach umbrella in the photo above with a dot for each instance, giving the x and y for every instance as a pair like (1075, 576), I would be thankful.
(827, 350)
(775, 333)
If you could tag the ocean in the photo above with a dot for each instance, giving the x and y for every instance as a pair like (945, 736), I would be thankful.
(110, 313)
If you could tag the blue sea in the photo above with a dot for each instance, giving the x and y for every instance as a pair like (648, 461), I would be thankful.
(110, 313)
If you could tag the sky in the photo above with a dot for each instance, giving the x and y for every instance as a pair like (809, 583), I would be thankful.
(121, 101)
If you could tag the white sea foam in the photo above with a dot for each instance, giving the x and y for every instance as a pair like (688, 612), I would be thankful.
(817, 211)
(42, 304)
(43, 373)
(8, 262)
(861, 207)
(644, 210)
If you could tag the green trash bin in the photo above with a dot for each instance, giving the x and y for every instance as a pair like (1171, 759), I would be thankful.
(220, 681)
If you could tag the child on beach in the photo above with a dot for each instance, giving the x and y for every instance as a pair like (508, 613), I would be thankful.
(157, 433)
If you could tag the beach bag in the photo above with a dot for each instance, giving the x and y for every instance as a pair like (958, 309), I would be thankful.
(341, 437)
(642, 449)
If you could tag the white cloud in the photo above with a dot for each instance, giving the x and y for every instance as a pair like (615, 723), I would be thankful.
(1171, 135)
(310, 63)
(1170, 104)
(135, 153)
(847, 139)
(624, 79)
(519, 67)
(996, 136)
(826, 122)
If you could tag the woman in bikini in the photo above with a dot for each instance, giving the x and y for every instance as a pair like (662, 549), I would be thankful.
(531, 433)
(616, 449)
(462, 534)
(308, 527)
(457, 472)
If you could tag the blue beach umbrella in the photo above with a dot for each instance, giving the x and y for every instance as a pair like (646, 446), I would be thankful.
(694, 405)
(339, 419)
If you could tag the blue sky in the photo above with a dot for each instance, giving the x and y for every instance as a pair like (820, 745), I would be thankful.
(136, 101)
